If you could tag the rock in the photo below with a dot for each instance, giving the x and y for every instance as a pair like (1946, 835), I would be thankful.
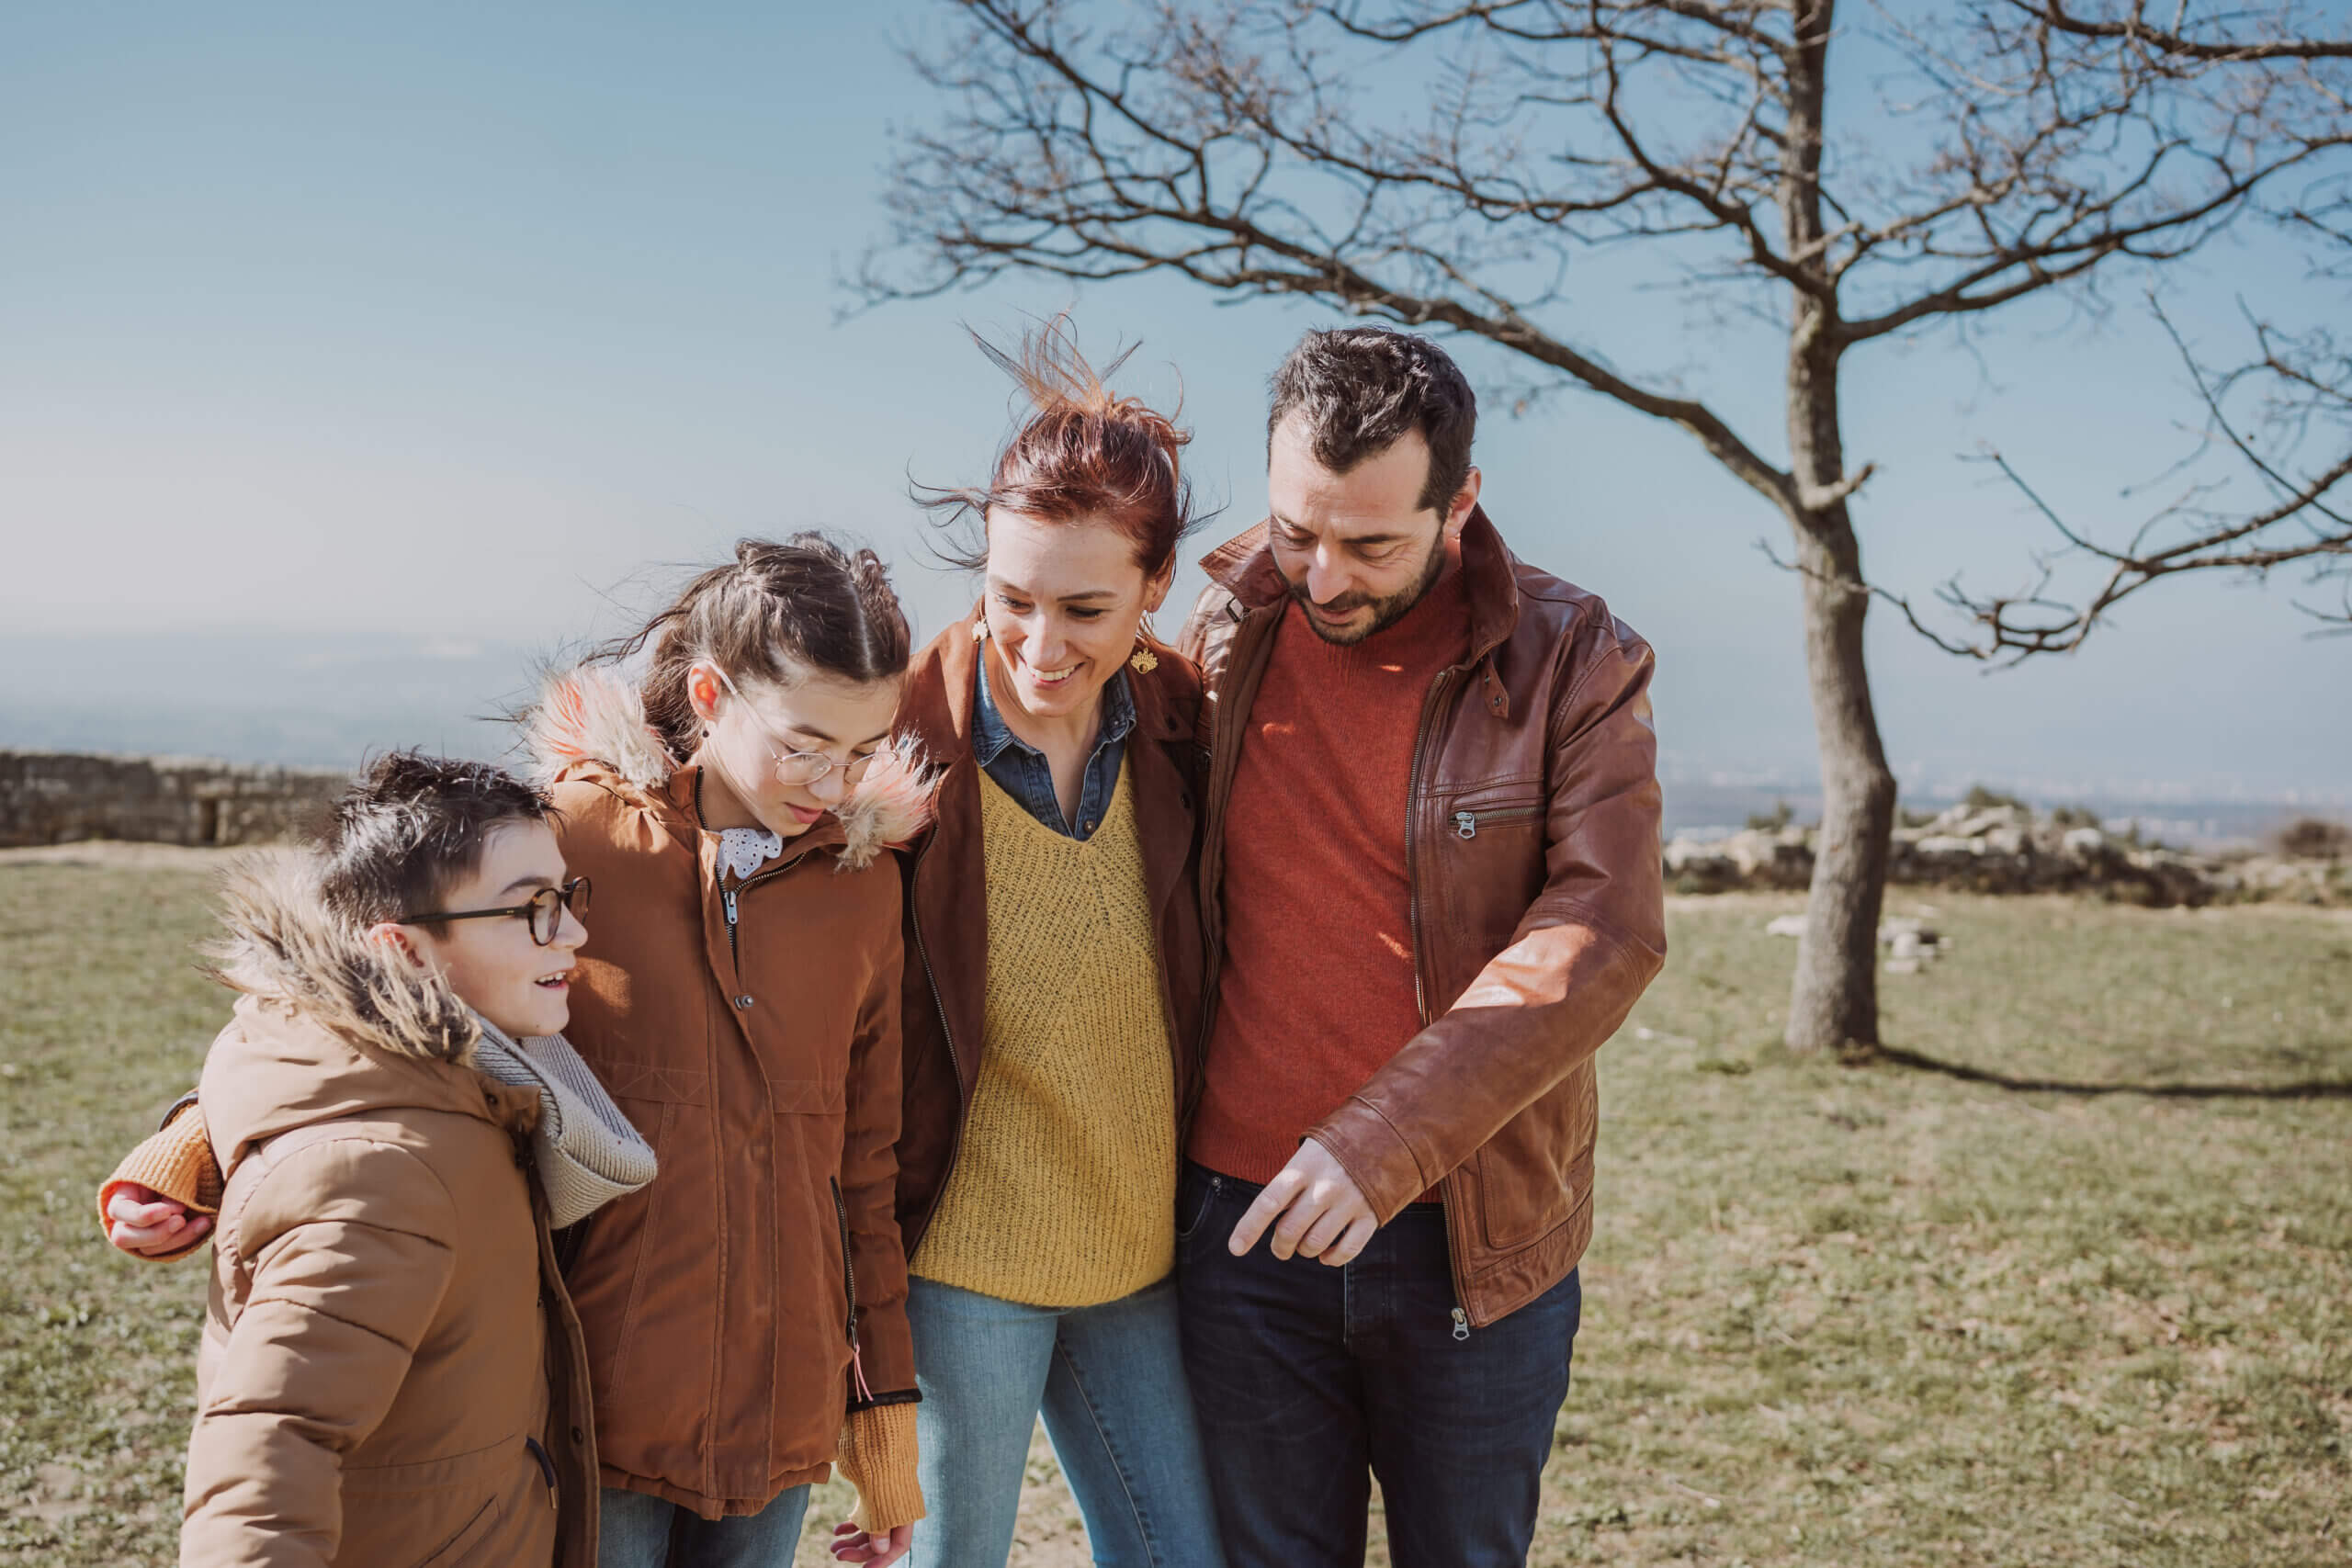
(1977, 824)
(1947, 844)
(1948, 819)
(1785, 925)
(2084, 843)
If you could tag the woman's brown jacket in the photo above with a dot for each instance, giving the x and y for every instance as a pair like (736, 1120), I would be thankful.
(947, 903)
(753, 1037)
(390, 1373)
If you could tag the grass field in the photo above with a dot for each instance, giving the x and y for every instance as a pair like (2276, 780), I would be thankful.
(1834, 1315)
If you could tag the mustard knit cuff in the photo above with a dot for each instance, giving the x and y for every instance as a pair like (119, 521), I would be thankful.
(877, 1457)
(175, 1163)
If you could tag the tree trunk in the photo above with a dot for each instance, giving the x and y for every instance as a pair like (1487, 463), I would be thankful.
(1833, 1002)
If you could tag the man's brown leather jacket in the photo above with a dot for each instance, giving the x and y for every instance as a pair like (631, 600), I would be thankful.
(1538, 906)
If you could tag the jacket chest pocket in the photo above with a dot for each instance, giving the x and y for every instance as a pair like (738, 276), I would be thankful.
(1489, 859)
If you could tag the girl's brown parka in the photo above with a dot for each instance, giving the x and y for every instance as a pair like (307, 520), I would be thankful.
(752, 1035)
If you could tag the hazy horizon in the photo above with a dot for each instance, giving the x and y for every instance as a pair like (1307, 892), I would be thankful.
(316, 700)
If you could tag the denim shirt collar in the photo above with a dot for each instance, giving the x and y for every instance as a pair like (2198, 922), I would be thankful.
(991, 735)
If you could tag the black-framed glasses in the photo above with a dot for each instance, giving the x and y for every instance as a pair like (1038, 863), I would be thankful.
(798, 769)
(545, 911)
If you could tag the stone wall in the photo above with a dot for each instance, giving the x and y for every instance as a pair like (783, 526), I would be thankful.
(2007, 849)
(54, 797)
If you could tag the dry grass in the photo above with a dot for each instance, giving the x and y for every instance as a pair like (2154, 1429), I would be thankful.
(1834, 1316)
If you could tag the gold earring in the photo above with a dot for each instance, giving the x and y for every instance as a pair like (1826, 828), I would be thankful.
(1143, 661)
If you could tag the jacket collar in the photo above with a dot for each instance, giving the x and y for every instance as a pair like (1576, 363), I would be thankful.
(1244, 567)
(940, 714)
(992, 733)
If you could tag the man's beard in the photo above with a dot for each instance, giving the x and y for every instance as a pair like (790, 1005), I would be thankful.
(1385, 613)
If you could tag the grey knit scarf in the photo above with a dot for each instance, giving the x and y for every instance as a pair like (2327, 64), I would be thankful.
(586, 1151)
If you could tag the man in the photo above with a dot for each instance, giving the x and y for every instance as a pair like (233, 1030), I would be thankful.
(1432, 878)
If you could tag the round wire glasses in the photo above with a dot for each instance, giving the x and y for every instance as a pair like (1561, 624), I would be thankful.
(798, 769)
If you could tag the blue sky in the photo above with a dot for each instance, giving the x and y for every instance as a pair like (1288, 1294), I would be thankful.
(421, 338)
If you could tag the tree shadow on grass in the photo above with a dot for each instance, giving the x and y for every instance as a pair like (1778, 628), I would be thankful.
(1894, 1055)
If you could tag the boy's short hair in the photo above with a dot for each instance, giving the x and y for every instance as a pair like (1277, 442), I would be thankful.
(411, 827)
(1361, 389)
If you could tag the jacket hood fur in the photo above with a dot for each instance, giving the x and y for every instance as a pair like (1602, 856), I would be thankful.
(591, 713)
(284, 948)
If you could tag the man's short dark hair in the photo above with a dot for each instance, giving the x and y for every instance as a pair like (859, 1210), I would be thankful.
(1361, 388)
(415, 826)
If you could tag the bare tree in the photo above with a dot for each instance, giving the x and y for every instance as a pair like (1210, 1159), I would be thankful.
(1443, 165)
(2283, 419)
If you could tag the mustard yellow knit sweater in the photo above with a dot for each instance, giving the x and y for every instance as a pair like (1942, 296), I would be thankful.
(1064, 1192)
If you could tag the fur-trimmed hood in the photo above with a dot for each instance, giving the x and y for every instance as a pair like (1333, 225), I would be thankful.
(328, 1023)
(282, 946)
(590, 716)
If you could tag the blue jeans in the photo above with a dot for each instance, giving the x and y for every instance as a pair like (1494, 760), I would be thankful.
(1309, 1380)
(634, 1531)
(1109, 1380)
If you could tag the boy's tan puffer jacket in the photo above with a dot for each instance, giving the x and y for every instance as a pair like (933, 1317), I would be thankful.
(391, 1370)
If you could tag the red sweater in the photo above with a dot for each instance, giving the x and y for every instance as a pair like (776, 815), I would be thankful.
(1317, 991)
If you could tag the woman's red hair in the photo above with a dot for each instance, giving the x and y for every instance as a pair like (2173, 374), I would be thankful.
(1084, 455)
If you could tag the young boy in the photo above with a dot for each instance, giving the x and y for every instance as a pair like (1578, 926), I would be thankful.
(391, 1370)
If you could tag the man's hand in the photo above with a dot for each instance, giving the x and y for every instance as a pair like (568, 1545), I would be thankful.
(1315, 1209)
(851, 1544)
(143, 1221)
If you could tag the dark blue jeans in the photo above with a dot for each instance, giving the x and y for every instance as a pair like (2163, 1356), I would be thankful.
(1309, 1380)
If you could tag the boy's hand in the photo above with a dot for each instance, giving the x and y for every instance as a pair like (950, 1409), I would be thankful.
(143, 1221)
(851, 1544)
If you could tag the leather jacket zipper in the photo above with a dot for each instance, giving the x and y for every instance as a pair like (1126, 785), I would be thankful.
(1466, 823)
(1421, 747)
(1430, 701)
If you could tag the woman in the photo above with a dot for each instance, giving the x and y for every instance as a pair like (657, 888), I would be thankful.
(1053, 1006)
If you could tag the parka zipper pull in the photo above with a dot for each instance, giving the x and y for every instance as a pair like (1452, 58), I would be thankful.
(1460, 1325)
(1465, 824)
(727, 897)
(849, 1289)
(546, 1471)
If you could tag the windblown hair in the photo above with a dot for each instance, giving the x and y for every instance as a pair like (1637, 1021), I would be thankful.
(1362, 388)
(1085, 455)
(412, 828)
(778, 613)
